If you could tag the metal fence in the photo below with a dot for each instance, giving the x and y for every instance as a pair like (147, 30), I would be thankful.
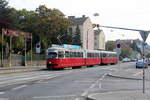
(19, 60)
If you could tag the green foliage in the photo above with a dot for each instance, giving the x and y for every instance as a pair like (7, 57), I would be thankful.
(5, 15)
(76, 37)
(126, 51)
(18, 44)
(148, 55)
(135, 47)
(110, 45)
(44, 24)
(3, 4)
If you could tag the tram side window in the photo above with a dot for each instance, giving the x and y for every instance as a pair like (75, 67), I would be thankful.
(60, 54)
(97, 55)
(67, 54)
(92, 55)
(76, 55)
(79, 55)
(72, 54)
(112, 55)
(108, 55)
(104, 55)
(88, 55)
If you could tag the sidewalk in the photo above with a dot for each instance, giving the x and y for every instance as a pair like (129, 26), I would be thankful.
(120, 96)
(20, 69)
(133, 74)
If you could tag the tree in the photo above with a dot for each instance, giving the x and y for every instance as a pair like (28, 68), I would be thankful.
(52, 24)
(110, 45)
(77, 36)
(135, 47)
(5, 19)
(44, 24)
(18, 44)
(126, 51)
(5, 15)
(148, 55)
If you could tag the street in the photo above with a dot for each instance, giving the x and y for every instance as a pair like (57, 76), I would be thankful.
(71, 84)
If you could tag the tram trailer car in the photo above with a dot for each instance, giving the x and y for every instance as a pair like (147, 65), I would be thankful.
(58, 58)
(108, 57)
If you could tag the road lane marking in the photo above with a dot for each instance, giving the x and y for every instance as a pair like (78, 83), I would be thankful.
(138, 73)
(25, 79)
(19, 87)
(93, 85)
(100, 84)
(77, 99)
(83, 81)
(2, 93)
(44, 97)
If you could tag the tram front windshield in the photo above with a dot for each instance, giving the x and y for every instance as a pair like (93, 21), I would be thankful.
(52, 55)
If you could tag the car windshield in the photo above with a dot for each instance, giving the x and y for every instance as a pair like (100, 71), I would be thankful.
(52, 55)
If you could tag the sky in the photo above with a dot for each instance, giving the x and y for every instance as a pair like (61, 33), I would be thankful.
(118, 13)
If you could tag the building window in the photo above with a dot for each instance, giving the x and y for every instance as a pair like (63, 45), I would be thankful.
(70, 30)
(95, 44)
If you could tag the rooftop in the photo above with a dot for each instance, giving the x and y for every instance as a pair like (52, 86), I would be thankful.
(78, 20)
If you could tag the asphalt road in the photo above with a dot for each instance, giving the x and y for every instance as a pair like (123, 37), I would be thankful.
(74, 84)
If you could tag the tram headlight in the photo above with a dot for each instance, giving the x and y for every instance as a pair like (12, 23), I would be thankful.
(49, 62)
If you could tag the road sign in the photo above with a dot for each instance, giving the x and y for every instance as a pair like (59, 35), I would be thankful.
(38, 48)
(118, 47)
(118, 51)
(118, 44)
(144, 35)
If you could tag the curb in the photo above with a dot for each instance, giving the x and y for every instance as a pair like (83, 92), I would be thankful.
(21, 71)
(20, 67)
(117, 76)
(127, 93)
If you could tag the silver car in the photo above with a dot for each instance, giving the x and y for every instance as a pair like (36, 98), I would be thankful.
(148, 60)
(141, 64)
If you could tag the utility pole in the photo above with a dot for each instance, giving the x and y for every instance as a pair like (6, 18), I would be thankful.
(2, 54)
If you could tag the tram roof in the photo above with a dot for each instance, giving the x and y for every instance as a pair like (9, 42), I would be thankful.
(66, 49)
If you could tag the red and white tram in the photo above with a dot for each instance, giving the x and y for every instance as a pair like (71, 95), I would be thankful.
(58, 58)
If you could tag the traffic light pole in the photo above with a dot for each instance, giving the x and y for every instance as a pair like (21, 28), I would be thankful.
(143, 70)
(144, 34)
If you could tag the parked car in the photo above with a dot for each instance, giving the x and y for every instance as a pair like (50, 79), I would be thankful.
(133, 60)
(148, 60)
(141, 64)
(126, 60)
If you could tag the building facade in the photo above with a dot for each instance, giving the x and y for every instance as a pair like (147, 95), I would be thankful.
(86, 29)
(99, 39)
